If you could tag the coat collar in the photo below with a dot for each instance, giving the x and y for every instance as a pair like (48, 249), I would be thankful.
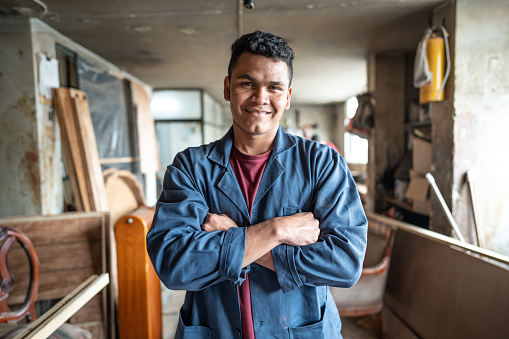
(220, 154)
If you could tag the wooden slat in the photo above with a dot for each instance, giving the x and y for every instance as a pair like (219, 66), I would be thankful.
(139, 295)
(92, 311)
(80, 149)
(88, 150)
(53, 285)
(65, 308)
(58, 257)
(66, 227)
(70, 144)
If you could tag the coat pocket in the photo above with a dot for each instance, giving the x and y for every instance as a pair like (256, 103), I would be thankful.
(288, 210)
(329, 327)
(193, 332)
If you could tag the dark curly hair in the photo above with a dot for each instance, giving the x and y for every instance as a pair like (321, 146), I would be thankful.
(265, 44)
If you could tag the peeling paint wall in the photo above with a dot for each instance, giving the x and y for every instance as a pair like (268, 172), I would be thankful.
(50, 150)
(481, 103)
(20, 192)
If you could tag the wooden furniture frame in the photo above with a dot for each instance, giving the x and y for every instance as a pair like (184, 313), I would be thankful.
(9, 236)
(70, 248)
(139, 288)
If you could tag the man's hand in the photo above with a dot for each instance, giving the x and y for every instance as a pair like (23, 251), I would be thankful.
(217, 222)
(299, 229)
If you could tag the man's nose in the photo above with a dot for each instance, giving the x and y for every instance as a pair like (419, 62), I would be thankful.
(260, 95)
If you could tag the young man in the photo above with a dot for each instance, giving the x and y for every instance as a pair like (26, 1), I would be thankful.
(257, 225)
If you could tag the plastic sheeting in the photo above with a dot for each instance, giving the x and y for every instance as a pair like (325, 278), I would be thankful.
(114, 128)
(108, 108)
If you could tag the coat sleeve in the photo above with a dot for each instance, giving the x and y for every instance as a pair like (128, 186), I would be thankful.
(336, 258)
(184, 256)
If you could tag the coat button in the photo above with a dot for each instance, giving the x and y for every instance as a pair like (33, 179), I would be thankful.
(238, 333)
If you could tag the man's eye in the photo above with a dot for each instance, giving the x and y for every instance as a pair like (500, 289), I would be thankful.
(276, 88)
(247, 83)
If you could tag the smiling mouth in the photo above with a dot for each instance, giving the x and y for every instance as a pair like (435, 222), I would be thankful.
(257, 112)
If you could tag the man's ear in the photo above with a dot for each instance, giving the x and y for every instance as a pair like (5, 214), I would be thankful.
(288, 98)
(226, 90)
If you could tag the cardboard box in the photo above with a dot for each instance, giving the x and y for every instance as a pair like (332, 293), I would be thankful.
(418, 189)
(418, 193)
(421, 155)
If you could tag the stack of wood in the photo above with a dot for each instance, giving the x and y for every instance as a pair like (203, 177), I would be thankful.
(80, 149)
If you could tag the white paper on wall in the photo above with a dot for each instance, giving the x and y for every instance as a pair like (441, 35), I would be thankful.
(48, 75)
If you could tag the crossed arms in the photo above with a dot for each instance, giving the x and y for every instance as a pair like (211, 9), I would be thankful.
(297, 230)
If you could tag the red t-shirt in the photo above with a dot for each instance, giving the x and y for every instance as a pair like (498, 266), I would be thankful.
(248, 170)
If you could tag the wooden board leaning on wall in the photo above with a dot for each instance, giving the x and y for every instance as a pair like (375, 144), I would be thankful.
(80, 149)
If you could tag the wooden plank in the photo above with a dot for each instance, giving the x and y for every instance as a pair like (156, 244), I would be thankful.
(139, 294)
(52, 285)
(77, 255)
(64, 309)
(88, 150)
(70, 144)
(92, 311)
(442, 291)
(375, 219)
(66, 227)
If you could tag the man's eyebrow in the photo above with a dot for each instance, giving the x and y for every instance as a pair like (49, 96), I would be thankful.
(245, 76)
(278, 83)
(250, 78)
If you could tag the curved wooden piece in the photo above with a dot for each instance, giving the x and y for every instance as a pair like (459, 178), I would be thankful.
(139, 288)
(11, 235)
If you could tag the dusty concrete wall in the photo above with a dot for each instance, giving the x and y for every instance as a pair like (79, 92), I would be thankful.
(386, 81)
(442, 117)
(20, 192)
(481, 102)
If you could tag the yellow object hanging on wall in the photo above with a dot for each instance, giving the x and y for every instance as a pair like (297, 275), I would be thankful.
(435, 53)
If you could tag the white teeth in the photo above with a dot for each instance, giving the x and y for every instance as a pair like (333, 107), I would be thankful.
(259, 112)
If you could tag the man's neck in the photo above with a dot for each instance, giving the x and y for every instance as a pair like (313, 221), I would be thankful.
(254, 145)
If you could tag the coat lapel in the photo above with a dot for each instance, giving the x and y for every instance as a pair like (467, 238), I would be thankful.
(274, 168)
(228, 184)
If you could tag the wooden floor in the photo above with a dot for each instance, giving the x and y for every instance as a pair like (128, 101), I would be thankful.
(353, 328)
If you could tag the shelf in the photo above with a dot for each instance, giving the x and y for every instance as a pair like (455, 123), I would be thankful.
(417, 124)
(403, 205)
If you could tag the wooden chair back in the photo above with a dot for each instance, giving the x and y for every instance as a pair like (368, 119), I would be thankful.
(9, 236)
(139, 288)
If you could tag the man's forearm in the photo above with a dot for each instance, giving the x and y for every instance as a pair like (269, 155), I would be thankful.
(260, 240)
(299, 229)
(266, 261)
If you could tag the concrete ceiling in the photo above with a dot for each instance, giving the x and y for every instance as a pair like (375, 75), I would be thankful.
(185, 44)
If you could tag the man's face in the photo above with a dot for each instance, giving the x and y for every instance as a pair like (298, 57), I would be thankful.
(259, 94)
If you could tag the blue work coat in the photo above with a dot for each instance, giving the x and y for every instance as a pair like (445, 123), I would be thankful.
(292, 302)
